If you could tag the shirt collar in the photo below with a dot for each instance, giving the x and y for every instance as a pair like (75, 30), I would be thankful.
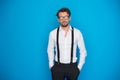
(70, 28)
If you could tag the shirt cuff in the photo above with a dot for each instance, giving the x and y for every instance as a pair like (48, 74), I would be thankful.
(51, 65)
(79, 67)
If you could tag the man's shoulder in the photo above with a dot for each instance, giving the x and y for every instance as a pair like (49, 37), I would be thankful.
(53, 31)
(77, 30)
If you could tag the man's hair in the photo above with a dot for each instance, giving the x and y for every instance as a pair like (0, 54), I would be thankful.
(63, 10)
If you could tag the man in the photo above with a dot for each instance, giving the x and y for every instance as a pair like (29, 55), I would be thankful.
(65, 40)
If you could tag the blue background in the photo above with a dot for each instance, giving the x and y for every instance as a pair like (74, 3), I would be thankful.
(25, 27)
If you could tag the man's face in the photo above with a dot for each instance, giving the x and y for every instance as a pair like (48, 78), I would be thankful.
(64, 19)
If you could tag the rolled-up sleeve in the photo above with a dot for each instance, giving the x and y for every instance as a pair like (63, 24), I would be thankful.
(50, 50)
(83, 52)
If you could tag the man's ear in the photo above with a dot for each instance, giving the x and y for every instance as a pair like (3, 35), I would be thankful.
(70, 18)
(58, 20)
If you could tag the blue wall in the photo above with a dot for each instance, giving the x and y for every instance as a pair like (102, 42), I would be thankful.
(25, 27)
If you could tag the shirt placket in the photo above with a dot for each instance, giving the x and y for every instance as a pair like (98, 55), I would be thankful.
(65, 47)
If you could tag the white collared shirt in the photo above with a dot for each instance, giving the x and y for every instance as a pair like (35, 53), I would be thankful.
(65, 47)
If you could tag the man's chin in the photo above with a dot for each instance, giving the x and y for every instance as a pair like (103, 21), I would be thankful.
(64, 25)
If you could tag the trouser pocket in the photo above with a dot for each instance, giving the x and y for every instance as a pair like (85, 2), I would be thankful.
(53, 68)
(77, 69)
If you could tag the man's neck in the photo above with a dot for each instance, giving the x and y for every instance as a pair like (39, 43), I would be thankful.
(65, 28)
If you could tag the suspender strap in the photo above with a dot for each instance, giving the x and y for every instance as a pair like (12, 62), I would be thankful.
(72, 42)
(58, 52)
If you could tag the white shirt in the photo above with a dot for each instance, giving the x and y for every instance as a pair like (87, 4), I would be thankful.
(65, 47)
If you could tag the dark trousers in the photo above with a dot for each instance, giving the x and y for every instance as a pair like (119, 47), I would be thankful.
(62, 71)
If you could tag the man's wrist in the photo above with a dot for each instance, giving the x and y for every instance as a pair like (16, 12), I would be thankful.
(51, 66)
(79, 67)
